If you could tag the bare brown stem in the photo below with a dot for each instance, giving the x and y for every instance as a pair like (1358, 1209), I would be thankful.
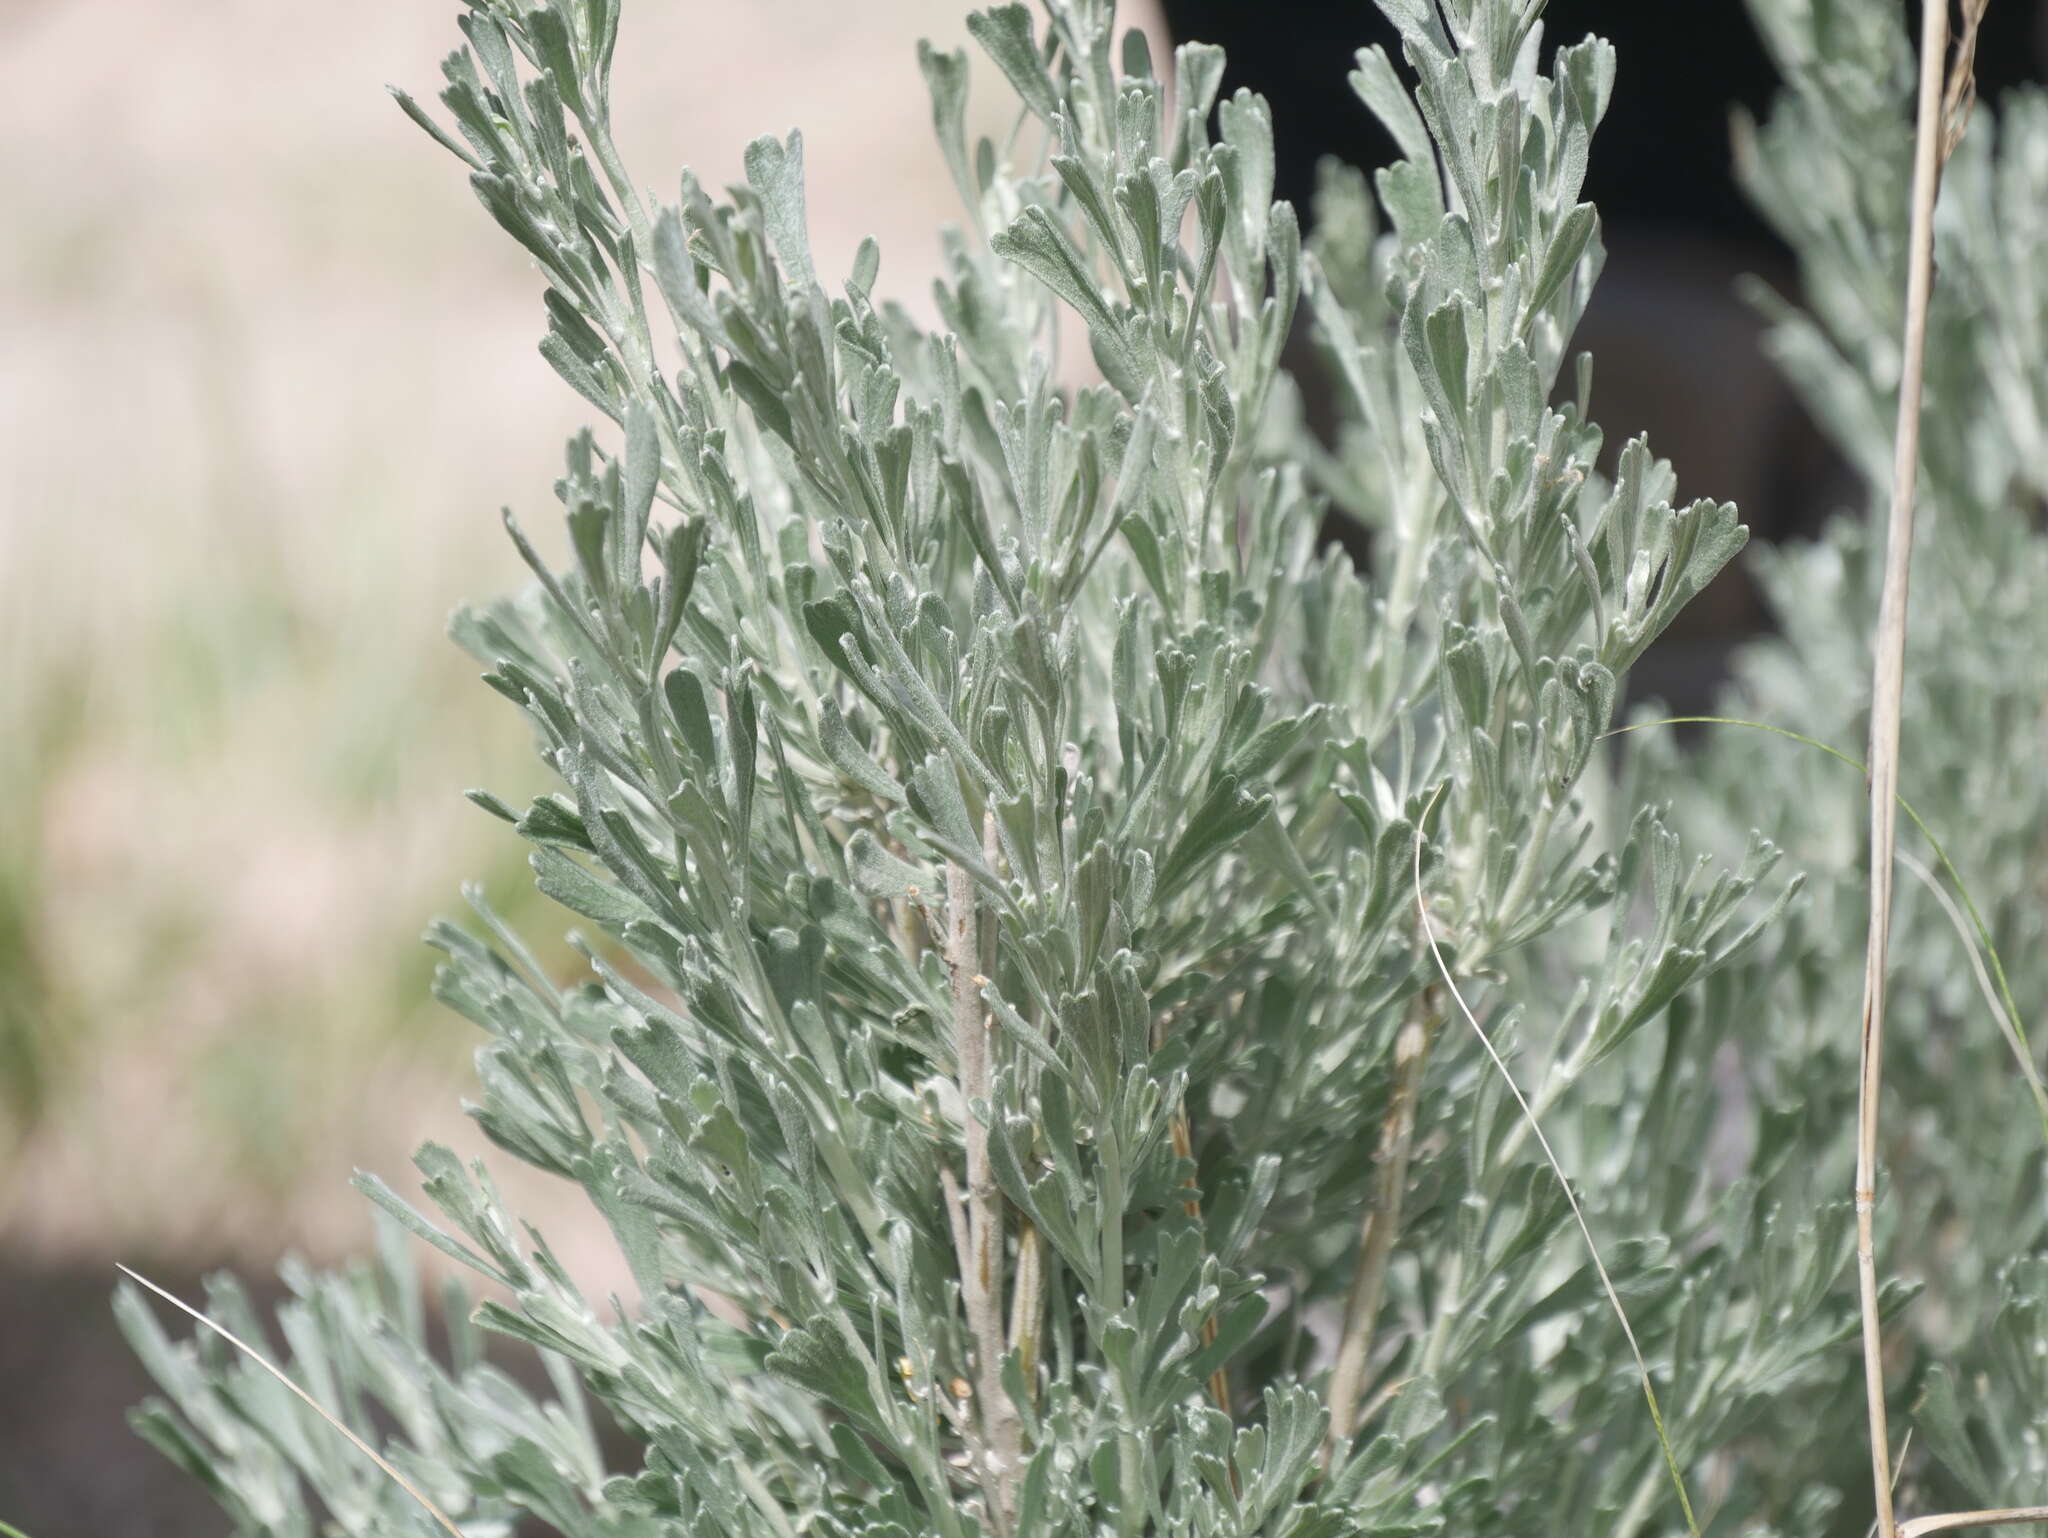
(982, 1280)
(1382, 1225)
(1887, 693)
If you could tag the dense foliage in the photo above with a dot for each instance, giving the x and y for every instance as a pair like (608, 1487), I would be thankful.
(1035, 892)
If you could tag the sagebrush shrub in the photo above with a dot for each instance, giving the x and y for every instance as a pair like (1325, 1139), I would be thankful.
(1034, 890)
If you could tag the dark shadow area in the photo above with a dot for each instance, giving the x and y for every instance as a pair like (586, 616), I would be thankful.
(69, 1465)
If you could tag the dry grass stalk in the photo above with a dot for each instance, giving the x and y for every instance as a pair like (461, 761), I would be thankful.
(1943, 115)
(1887, 693)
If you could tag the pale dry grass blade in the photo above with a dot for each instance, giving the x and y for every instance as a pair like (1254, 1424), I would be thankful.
(1956, 1521)
(1557, 1168)
(318, 1408)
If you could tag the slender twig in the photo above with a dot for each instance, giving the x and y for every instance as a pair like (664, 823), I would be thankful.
(318, 1408)
(1888, 679)
(982, 1282)
(1571, 1197)
(1382, 1224)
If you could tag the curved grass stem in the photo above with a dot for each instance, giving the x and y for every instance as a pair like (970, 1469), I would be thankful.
(1692, 1525)
(2023, 1049)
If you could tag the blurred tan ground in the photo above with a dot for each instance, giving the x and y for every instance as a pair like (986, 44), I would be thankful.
(267, 372)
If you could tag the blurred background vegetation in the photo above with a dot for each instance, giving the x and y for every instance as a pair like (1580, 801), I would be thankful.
(268, 374)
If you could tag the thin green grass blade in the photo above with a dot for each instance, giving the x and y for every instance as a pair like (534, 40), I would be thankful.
(1692, 1525)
